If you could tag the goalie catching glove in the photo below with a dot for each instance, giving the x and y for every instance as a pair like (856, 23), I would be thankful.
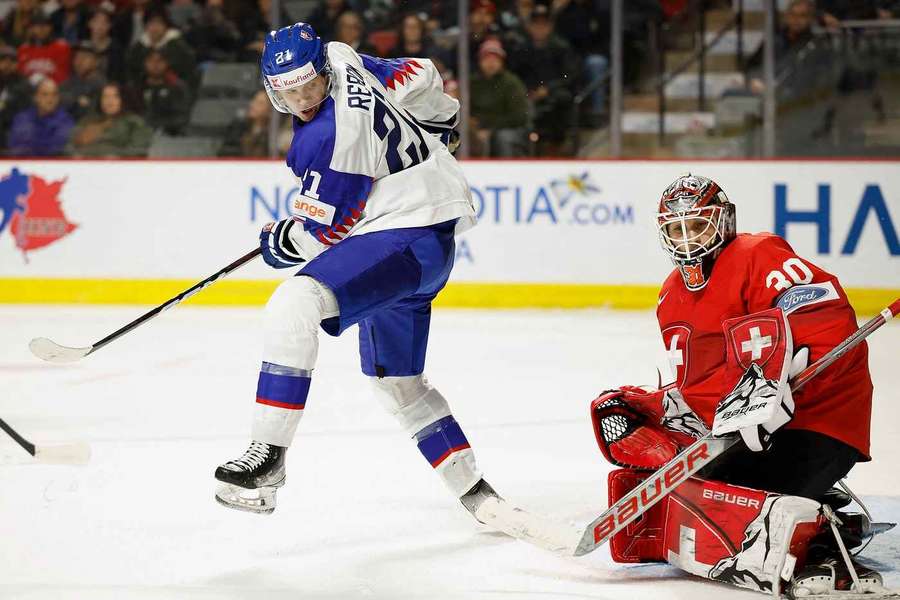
(641, 428)
(760, 357)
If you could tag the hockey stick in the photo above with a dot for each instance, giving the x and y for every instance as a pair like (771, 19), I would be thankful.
(58, 454)
(47, 349)
(702, 452)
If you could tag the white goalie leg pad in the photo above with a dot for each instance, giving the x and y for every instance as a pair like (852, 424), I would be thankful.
(291, 346)
(765, 553)
(426, 416)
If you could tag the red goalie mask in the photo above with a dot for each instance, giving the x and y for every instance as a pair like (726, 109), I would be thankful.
(695, 221)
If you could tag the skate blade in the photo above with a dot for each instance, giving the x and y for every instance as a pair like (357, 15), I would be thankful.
(260, 501)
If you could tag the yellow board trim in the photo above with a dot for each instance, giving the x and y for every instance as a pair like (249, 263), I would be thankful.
(240, 292)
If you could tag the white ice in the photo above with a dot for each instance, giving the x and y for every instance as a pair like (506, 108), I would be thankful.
(362, 515)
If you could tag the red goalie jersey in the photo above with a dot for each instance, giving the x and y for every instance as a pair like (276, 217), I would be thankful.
(755, 272)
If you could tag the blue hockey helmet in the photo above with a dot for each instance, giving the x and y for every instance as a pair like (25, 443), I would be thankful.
(292, 57)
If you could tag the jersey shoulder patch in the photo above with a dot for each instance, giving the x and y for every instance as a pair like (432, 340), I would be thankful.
(806, 295)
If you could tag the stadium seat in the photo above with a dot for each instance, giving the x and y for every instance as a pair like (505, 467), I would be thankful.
(164, 146)
(212, 116)
(230, 80)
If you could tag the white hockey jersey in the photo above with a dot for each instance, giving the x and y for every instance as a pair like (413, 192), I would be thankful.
(371, 159)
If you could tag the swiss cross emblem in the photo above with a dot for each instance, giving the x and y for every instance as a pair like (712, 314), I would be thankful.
(676, 339)
(756, 340)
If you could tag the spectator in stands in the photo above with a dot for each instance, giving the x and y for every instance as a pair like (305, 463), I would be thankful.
(414, 40)
(794, 34)
(249, 136)
(112, 132)
(182, 13)
(548, 67)
(212, 35)
(832, 12)
(110, 53)
(253, 20)
(165, 98)
(42, 130)
(15, 92)
(70, 21)
(129, 23)
(81, 91)
(350, 30)
(515, 18)
(499, 105)
(41, 55)
(482, 25)
(160, 36)
(325, 16)
(15, 25)
(579, 23)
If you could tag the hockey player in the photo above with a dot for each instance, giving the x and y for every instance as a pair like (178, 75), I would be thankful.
(380, 201)
(739, 315)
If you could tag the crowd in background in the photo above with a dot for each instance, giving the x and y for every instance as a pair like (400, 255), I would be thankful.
(101, 78)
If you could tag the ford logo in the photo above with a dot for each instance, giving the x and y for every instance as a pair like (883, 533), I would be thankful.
(797, 297)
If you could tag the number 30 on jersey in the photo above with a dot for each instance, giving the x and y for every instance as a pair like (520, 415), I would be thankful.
(793, 272)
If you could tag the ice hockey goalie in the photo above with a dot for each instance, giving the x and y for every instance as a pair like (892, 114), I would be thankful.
(739, 315)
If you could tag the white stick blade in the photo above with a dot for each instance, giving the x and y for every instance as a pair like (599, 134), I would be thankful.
(535, 529)
(63, 454)
(50, 351)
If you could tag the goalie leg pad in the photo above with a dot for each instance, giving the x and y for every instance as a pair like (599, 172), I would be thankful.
(426, 416)
(737, 535)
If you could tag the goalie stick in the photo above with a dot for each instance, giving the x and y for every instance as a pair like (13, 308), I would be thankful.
(56, 454)
(701, 453)
(47, 349)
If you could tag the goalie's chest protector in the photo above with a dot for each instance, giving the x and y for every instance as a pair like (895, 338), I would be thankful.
(747, 278)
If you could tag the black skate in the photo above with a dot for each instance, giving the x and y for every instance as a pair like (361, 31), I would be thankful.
(474, 498)
(250, 482)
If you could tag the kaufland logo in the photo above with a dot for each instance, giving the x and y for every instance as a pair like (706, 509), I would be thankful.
(293, 78)
(32, 211)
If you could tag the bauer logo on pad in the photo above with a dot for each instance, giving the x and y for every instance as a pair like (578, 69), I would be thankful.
(806, 295)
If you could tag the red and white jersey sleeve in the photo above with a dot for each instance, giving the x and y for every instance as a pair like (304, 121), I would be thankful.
(756, 272)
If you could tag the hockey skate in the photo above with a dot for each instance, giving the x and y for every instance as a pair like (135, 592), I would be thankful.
(475, 497)
(831, 572)
(831, 578)
(250, 482)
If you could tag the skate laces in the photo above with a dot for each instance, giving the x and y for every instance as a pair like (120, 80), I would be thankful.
(255, 455)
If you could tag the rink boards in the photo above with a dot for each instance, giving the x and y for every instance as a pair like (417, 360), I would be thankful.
(550, 233)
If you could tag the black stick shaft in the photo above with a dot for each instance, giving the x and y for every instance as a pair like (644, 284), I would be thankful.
(29, 447)
(177, 299)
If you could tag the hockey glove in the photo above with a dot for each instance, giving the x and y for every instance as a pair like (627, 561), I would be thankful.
(277, 248)
(643, 429)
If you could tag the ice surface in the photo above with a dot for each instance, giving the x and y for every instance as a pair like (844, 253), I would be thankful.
(362, 515)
